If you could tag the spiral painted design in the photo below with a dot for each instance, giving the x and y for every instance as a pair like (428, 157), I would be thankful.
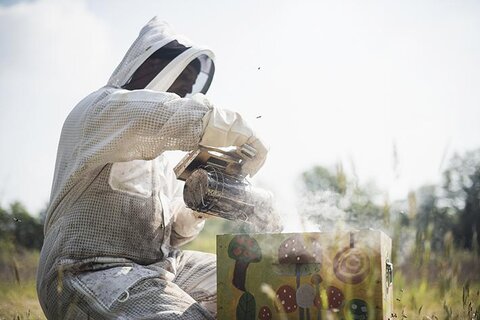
(351, 265)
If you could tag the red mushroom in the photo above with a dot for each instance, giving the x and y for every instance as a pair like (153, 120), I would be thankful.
(265, 313)
(286, 297)
(245, 250)
(335, 298)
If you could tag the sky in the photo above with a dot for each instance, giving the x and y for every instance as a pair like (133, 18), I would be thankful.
(387, 88)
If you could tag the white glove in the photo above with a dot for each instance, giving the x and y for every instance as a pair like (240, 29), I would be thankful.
(188, 223)
(225, 128)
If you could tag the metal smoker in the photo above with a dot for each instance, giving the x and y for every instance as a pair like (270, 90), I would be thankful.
(215, 184)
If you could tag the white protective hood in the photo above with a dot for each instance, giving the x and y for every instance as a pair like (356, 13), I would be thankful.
(153, 36)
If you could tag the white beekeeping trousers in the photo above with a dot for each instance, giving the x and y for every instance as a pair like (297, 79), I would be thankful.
(182, 286)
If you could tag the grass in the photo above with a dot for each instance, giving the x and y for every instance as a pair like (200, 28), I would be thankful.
(19, 301)
(426, 300)
(446, 286)
(18, 296)
(439, 286)
(418, 300)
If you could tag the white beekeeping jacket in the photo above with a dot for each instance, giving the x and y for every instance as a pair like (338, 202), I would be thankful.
(114, 196)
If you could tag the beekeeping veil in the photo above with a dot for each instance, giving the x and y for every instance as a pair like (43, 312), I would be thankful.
(172, 54)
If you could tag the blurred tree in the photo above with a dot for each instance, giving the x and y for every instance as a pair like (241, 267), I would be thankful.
(470, 216)
(462, 197)
(432, 213)
(18, 226)
(431, 221)
(28, 231)
(6, 225)
(320, 178)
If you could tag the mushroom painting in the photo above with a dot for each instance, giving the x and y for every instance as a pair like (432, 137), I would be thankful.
(246, 307)
(358, 310)
(299, 256)
(316, 279)
(335, 298)
(286, 297)
(342, 274)
(244, 250)
(351, 265)
(306, 297)
(265, 313)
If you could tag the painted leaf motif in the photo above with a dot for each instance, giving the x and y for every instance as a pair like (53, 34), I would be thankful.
(246, 307)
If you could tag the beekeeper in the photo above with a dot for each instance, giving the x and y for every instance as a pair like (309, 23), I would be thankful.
(116, 216)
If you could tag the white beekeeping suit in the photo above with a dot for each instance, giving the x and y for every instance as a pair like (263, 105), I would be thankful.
(116, 216)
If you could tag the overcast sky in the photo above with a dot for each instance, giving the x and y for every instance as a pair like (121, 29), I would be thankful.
(334, 81)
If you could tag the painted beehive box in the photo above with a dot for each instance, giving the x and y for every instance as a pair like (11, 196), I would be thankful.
(307, 276)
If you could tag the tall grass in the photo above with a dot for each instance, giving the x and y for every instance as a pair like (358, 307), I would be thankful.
(18, 296)
(19, 301)
(446, 286)
(434, 285)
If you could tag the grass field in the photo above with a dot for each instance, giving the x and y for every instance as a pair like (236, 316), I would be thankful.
(18, 296)
(447, 286)
(414, 301)
(19, 301)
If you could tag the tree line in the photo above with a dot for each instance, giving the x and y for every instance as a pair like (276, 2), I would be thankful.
(435, 216)
(19, 227)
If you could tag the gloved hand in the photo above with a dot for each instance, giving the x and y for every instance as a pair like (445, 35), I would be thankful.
(225, 128)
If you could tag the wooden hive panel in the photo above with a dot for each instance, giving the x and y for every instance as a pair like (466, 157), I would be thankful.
(304, 275)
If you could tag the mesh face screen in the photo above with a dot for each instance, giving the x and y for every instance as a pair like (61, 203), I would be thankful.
(153, 65)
